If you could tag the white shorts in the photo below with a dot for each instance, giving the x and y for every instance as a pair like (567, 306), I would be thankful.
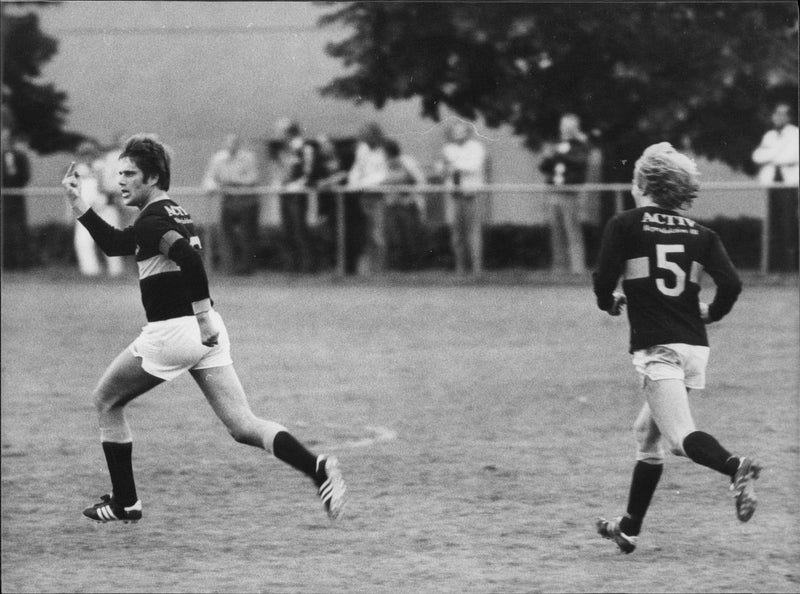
(170, 347)
(686, 362)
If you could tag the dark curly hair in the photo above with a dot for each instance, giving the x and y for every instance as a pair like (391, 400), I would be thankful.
(151, 156)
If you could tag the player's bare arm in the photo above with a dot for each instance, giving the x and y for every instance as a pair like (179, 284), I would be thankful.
(209, 331)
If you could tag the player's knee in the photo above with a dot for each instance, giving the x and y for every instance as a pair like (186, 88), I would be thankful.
(677, 450)
(240, 435)
(676, 447)
(642, 433)
(103, 403)
(246, 433)
(653, 457)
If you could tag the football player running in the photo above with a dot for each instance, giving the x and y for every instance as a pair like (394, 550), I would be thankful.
(660, 255)
(183, 333)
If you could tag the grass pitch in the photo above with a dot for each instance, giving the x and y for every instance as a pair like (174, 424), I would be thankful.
(481, 428)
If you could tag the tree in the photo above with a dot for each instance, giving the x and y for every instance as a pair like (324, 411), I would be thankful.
(638, 73)
(36, 110)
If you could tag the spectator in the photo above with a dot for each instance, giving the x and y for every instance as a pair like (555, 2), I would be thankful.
(108, 170)
(89, 166)
(231, 170)
(303, 169)
(403, 209)
(367, 173)
(777, 155)
(334, 175)
(565, 164)
(464, 165)
(16, 175)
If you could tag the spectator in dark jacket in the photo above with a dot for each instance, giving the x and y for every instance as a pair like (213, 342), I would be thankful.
(564, 164)
(16, 175)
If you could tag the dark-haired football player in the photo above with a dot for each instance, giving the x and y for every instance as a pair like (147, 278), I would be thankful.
(660, 254)
(183, 333)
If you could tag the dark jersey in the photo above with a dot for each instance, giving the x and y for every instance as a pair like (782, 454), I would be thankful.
(168, 285)
(660, 255)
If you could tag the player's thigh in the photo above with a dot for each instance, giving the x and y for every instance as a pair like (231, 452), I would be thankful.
(669, 404)
(123, 380)
(225, 394)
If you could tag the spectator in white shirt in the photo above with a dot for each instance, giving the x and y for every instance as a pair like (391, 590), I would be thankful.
(777, 156)
(369, 171)
(464, 169)
(230, 170)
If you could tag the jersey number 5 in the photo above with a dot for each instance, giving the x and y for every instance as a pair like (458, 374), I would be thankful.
(663, 262)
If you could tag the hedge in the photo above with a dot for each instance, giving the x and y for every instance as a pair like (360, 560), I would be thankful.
(505, 245)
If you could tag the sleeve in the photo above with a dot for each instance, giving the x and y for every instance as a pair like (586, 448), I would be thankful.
(473, 159)
(720, 268)
(309, 160)
(577, 156)
(765, 153)
(209, 183)
(547, 164)
(24, 166)
(414, 169)
(790, 150)
(609, 265)
(113, 241)
(178, 249)
(248, 175)
(356, 173)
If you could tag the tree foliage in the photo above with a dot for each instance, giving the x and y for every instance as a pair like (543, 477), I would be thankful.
(36, 110)
(636, 72)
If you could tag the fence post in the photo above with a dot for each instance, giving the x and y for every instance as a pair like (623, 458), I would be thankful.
(765, 234)
(340, 235)
(210, 244)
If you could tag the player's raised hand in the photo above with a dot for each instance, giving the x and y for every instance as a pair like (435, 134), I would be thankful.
(72, 184)
(618, 305)
(72, 181)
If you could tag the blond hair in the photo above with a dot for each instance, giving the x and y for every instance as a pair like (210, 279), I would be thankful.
(668, 177)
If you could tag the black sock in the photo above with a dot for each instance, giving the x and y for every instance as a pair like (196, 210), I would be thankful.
(286, 448)
(118, 458)
(643, 485)
(704, 449)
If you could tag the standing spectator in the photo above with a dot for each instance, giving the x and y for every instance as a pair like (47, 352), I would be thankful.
(777, 155)
(464, 170)
(565, 163)
(367, 173)
(230, 170)
(108, 178)
(89, 167)
(334, 175)
(591, 201)
(302, 171)
(403, 209)
(16, 175)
